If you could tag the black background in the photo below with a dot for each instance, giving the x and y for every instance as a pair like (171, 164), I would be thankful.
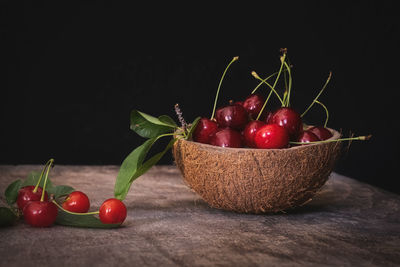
(72, 73)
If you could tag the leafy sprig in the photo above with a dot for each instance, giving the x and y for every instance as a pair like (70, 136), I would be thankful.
(137, 162)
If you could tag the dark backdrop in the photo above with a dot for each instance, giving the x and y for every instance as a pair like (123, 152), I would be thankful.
(72, 73)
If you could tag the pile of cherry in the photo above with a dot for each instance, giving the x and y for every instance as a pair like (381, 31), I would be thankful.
(247, 124)
(40, 210)
(235, 126)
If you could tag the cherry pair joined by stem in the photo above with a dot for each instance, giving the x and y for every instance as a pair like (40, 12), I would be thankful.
(40, 213)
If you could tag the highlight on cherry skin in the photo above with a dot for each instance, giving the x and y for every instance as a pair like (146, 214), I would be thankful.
(272, 136)
(112, 211)
(77, 202)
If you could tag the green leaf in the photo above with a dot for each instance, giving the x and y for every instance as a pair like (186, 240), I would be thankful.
(150, 127)
(133, 167)
(84, 221)
(11, 192)
(168, 120)
(192, 128)
(60, 190)
(7, 217)
(33, 178)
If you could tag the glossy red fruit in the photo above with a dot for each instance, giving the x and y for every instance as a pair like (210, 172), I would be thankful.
(204, 129)
(321, 132)
(249, 132)
(227, 138)
(307, 136)
(234, 116)
(289, 119)
(26, 194)
(253, 104)
(40, 213)
(272, 136)
(77, 201)
(112, 211)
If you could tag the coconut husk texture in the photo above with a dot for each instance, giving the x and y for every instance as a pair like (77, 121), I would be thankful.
(249, 180)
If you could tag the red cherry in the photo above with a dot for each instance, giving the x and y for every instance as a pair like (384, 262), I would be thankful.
(226, 138)
(321, 132)
(77, 201)
(26, 194)
(288, 118)
(307, 136)
(112, 211)
(271, 136)
(40, 213)
(250, 132)
(234, 116)
(204, 129)
(253, 104)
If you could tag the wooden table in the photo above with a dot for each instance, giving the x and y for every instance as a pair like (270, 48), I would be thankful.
(348, 224)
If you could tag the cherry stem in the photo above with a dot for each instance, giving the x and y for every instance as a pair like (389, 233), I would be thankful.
(74, 213)
(326, 111)
(361, 138)
(45, 179)
(255, 75)
(273, 87)
(40, 177)
(289, 90)
(320, 92)
(219, 86)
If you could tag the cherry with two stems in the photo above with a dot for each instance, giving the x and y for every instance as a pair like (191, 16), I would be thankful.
(41, 213)
(31, 193)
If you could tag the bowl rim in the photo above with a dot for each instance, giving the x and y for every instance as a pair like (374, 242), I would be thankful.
(336, 135)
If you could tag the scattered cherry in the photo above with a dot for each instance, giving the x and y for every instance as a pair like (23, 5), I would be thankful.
(289, 119)
(226, 138)
(112, 211)
(321, 132)
(204, 129)
(27, 194)
(253, 104)
(40, 213)
(77, 202)
(272, 136)
(234, 116)
(307, 136)
(250, 132)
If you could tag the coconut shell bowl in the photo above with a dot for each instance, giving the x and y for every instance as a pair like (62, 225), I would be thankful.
(249, 180)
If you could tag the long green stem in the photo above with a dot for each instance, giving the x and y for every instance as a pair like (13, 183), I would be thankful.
(289, 90)
(326, 111)
(219, 86)
(40, 177)
(46, 178)
(255, 75)
(273, 87)
(74, 213)
(320, 92)
(361, 138)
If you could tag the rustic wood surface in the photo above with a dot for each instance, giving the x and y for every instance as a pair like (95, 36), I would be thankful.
(348, 223)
